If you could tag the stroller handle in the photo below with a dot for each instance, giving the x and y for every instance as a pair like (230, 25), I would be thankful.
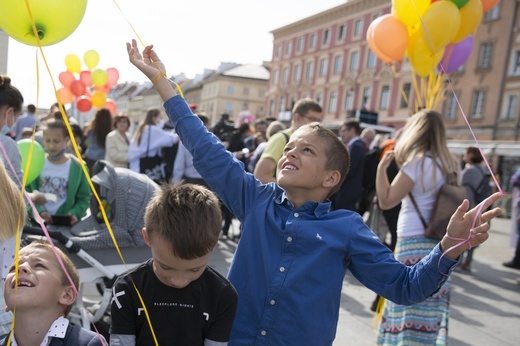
(56, 235)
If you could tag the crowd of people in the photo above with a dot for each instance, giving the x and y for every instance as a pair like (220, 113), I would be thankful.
(299, 192)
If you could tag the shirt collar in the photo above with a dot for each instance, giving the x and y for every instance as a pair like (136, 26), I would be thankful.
(58, 329)
(317, 208)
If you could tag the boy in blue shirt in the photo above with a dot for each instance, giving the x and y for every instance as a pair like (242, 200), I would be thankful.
(289, 266)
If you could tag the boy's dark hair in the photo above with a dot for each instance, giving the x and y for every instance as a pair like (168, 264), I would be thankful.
(187, 216)
(71, 267)
(353, 124)
(57, 124)
(473, 155)
(336, 152)
(31, 108)
(303, 106)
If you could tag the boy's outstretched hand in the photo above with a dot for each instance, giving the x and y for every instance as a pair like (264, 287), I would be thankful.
(460, 227)
(149, 63)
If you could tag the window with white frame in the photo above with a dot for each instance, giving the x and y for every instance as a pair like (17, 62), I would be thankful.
(358, 27)
(299, 44)
(515, 63)
(349, 100)
(493, 13)
(405, 95)
(450, 112)
(323, 67)
(275, 77)
(333, 102)
(371, 59)
(477, 104)
(278, 51)
(326, 36)
(367, 91)
(312, 41)
(354, 61)
(510, 106)
(297, 72)
(288, 48)
(342, 30)
(385, 96)
(309, 73)
(484, 57)
(338, 63)
(285, 75)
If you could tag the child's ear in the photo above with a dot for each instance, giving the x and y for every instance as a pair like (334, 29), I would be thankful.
(332, 179)
(145, 237)
(68, 296)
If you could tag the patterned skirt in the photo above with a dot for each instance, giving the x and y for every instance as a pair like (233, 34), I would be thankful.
(425, 323)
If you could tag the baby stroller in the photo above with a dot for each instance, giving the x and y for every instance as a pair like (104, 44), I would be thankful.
(125, 195)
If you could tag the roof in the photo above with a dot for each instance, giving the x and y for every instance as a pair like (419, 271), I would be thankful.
(248, 71)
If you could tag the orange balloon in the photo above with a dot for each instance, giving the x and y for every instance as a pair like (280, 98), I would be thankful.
(66, 78)
(373, 47)
(389, 38)
(488, 4)
(65, 95)
(111, 106)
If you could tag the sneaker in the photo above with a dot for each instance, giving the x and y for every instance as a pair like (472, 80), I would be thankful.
(512, 264)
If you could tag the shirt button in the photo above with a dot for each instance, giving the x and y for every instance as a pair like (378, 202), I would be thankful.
(272, 302)
(289, 239)
(263, 332)
(282, 269)
(296, 214)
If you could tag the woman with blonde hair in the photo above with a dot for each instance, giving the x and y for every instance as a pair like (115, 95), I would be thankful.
(425, 164)
(144, 152)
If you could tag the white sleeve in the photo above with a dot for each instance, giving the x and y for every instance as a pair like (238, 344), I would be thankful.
(179, 164)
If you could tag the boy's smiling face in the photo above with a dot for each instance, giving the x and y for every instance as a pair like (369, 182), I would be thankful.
(301, 169)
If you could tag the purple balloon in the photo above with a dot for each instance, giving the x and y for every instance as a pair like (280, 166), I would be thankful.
(455, 55)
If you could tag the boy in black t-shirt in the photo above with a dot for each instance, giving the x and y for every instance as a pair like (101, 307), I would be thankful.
(188, 302)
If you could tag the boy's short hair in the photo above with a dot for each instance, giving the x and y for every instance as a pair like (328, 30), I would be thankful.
(71, 267)
(473, 155)
(54, 124)
(353, 124)
(303, 106)
(187, 216)
(337, 154)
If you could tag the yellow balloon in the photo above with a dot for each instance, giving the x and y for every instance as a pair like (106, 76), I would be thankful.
(55, 20)
(99, 77)
(91, 58)
(440, 24)
(423, 60)
(410, 11)
(73, 63)
(470, 17)
(99, 99)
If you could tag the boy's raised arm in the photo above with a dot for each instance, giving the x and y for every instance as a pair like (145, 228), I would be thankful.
(152, 67)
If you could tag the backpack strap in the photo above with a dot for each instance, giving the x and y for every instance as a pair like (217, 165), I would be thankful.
(286, 137)
(417, 209)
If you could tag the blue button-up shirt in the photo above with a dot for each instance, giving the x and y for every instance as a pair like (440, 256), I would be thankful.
(289, 266)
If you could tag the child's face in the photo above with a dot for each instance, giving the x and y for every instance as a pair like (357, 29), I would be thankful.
(302, 165)
(39, 281)
(170, 269)
(54, 141)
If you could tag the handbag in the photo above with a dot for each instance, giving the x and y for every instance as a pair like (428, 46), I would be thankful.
(448, 199)
(152, 166)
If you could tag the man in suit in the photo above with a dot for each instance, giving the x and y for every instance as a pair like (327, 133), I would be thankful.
(351, 189)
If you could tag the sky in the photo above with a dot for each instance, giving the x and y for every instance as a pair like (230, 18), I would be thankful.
(189, 36)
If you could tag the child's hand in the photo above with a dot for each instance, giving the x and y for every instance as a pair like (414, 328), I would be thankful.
(73, 219)
(46, 217)
(37, 197)
(461, 222)
(148, 63)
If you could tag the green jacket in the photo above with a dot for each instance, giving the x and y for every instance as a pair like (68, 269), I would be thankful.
(78, 192)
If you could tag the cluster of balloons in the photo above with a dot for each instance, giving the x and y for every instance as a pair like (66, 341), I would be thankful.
(433, 34)
(89, 87)
(54, 20)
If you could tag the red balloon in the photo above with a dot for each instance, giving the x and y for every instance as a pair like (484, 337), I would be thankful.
(111, 106)
(66, 78)
(83, 104)
(113, 76)
(77, 88)
(84, 77)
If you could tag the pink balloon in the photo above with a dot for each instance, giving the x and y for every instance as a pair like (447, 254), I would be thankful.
(66, 78)
(456, 55)
(85, 78)
(83, 104)
(111, 106)
(78, 88)
(113, 76)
